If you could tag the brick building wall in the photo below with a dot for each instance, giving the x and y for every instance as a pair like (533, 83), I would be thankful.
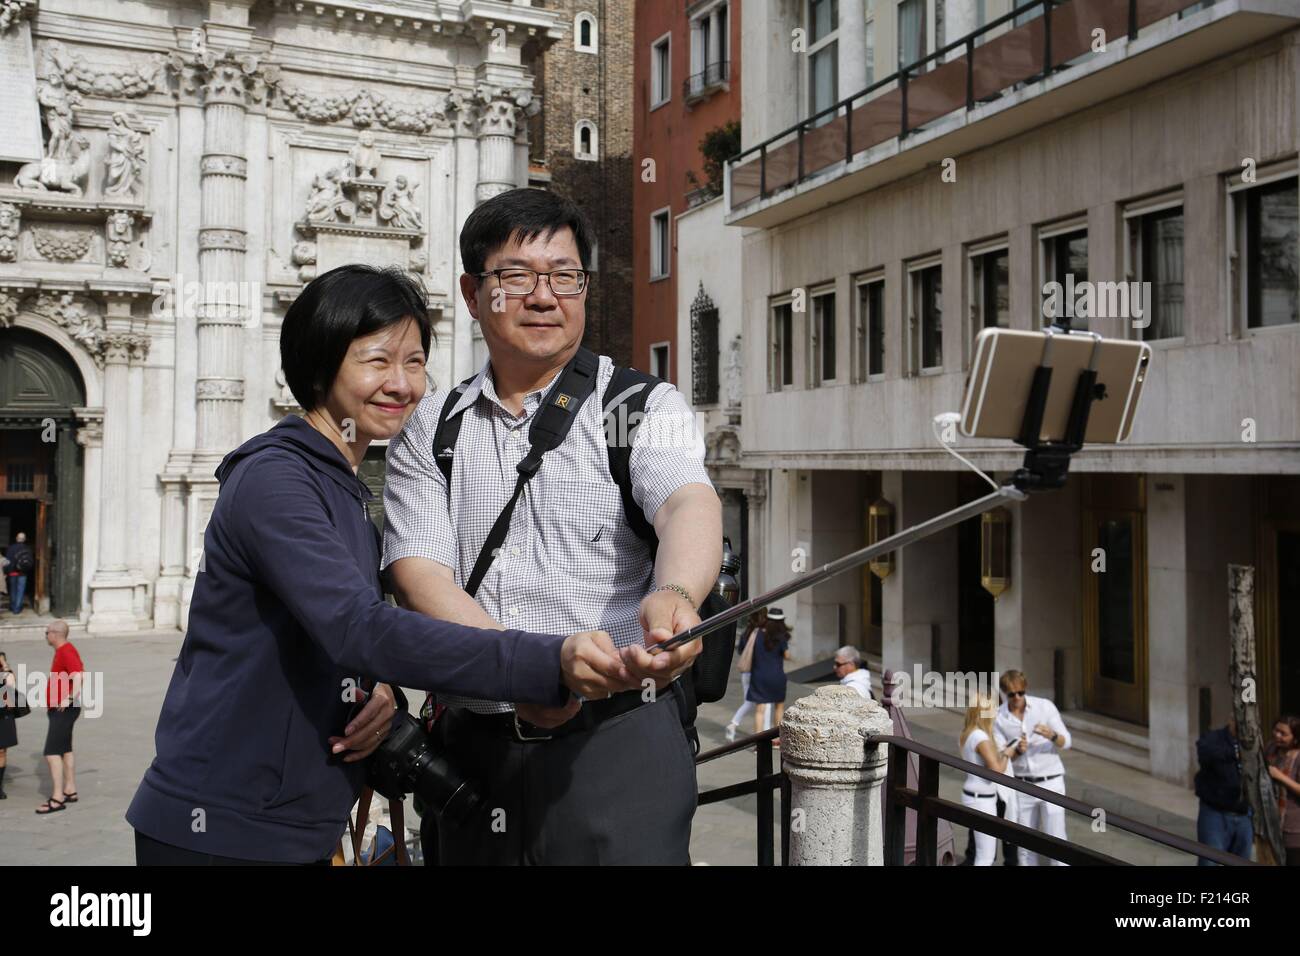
(577, 85)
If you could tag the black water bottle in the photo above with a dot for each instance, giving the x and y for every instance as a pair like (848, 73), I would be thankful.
(713, 666)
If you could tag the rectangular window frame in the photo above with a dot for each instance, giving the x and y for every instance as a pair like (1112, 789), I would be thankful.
(780, 347)
(1045, 235)
(863, 327)
(975, 306)
(817, 340)
(831, 39)
(1236, 268)
(700, 44)
(666, 373)
(661, 249)
(1134, 214)
(661, 84)
(915, 322)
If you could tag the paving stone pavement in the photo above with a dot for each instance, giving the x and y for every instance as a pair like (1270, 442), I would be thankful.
(114, 749)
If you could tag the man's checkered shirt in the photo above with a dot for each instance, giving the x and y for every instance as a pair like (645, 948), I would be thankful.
(569, 562)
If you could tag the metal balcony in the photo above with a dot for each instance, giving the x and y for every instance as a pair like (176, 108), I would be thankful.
(712, 77)
(995, 82)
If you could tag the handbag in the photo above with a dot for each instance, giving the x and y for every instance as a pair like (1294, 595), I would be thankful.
(15, 704)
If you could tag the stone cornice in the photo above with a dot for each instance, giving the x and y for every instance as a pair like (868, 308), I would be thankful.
(415, 18)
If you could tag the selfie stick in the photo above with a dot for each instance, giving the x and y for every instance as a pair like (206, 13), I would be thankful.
(856, 559)
(1045, 467)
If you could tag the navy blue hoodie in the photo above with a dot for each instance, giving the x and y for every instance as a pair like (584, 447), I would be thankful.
(286, 607)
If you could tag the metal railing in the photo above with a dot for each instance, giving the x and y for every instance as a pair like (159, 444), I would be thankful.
(939, 84)
(764, 785)
(930, 808)
(713, 75)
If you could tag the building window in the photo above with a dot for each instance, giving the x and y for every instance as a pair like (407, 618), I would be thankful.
(1266, 252)
(925, 317)
(585, 142)
(1065, 263)
(659, 361)
(1155, 261)
(823, 21)
(990, 302)
(584, 33)
(780, 370)
(660, 243)
(821, 339)
(911, 32)
(661, 71)
(704, 349)
(710, 37)
(869, 331)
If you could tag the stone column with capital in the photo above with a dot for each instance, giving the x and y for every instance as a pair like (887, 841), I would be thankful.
(227, 83)
(499, 112)
(112, 589)
(836, 782)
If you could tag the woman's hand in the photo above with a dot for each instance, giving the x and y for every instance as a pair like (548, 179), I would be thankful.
(591, 667)
(367, 730)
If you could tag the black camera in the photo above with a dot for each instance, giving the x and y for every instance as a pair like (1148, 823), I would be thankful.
(410, 761)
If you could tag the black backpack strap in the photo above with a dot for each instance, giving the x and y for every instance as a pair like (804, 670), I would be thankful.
(448, 430)
(551, 423)
(624, 404)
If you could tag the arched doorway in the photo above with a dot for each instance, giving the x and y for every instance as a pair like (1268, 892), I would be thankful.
(41, 464)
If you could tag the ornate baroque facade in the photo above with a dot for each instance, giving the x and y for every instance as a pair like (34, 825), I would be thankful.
(177, 172)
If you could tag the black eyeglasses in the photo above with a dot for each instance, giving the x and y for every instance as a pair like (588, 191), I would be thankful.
(1015, 693)
(524, 281)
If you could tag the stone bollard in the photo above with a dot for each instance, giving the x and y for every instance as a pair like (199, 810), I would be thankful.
(836, 798)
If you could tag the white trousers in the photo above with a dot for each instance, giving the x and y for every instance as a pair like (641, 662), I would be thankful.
(1048, 817)
(746, 706)
(986, 847)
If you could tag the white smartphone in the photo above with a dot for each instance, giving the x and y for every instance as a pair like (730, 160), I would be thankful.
(1002, 373)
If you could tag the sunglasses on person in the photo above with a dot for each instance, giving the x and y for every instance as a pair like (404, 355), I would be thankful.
(1015, 693)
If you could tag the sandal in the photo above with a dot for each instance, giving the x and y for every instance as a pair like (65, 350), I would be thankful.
(70, 797)
(50, 806)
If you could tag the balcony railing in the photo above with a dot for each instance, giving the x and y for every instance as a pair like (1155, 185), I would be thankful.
(976, 68)
(712, 76)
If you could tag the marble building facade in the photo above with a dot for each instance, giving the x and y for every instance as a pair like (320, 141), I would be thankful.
(171, 174)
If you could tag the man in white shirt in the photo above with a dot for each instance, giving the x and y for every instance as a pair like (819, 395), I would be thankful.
(849, 669)
(1037, 724)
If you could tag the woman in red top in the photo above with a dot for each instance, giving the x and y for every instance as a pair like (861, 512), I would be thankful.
(63, 701)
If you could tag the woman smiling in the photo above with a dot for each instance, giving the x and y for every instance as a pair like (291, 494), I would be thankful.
(256, 758)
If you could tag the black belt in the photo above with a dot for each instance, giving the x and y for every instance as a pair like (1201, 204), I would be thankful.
(978, 796)
(590, 715)
(1038, 779)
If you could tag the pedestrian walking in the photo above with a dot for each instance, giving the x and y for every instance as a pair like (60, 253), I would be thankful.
(767, 684)
(981, 745)
(745, 650)
(1283, 757)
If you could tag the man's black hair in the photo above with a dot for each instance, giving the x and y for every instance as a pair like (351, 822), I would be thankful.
(521, 214)
(334, 309)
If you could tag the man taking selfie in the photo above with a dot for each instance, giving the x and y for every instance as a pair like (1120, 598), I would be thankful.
(516, 520)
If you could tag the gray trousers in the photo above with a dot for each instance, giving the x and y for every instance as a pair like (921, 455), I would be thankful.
(620, 794)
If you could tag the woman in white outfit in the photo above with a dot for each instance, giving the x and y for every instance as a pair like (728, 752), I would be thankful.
(979, 745)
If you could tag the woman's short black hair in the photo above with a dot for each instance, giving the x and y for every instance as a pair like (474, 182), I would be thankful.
(334, 309)
(523, 214)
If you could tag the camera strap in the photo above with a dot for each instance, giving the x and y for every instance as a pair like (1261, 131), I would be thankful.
(550, 424)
